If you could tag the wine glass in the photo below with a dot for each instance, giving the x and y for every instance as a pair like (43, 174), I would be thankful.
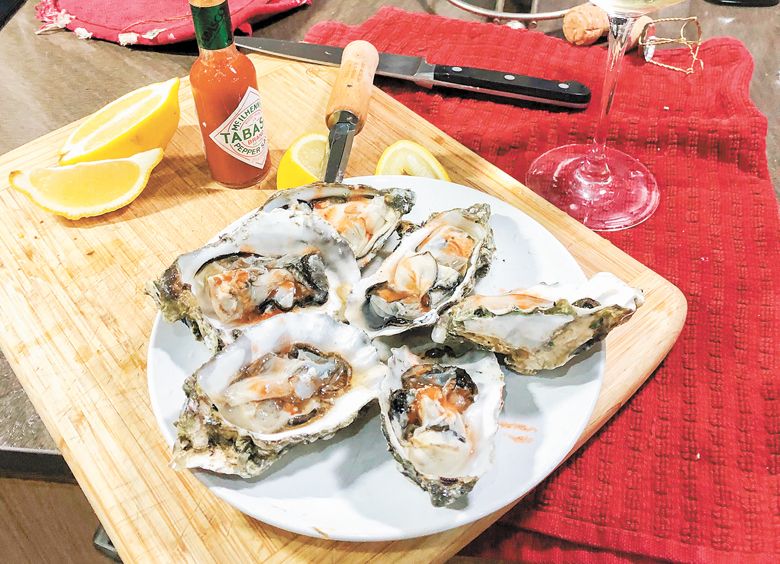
(604, 188)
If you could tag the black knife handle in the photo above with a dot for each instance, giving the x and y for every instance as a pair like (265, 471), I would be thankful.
(568, 93)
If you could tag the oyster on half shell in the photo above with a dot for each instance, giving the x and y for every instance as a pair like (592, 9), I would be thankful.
(366, 217)
(544, 326)
(295, 378)
(430, 269)
(440, 417)
(273, 262)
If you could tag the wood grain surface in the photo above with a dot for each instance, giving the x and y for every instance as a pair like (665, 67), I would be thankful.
(75, 323)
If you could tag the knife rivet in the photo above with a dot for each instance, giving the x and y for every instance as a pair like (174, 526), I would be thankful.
(509, 76)
(457, 69)
(563, 85)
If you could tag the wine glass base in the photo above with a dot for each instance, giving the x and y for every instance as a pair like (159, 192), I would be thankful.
(627, 197)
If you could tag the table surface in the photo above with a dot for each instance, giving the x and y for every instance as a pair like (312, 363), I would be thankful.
(60, 78)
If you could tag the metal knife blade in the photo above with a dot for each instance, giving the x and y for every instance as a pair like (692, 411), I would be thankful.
(339, 147)
(569, 94)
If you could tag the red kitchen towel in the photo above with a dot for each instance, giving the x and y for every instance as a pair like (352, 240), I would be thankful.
(689, 469)
(145, 22)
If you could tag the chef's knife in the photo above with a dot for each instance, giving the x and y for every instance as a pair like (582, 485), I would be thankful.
(568, 93)
(348, 104)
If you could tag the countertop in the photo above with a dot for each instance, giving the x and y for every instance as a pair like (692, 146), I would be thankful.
(58, 78)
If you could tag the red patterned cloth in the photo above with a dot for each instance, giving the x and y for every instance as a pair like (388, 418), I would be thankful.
(145, 22)
(689, 469)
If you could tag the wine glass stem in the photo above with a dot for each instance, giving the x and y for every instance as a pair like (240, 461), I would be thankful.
(596, 161)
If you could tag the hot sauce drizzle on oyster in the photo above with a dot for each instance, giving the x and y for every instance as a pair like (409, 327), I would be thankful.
(441, 260)
(282, 390)
(245, 289)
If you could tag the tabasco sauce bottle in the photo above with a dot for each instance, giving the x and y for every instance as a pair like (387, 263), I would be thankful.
(224, 86)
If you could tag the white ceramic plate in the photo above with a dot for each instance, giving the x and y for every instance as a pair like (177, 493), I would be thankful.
(348, 488)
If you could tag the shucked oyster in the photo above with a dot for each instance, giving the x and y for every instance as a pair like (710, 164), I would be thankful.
(544, 326)
(366, 217)
(272, 263)
(245, 288)
(295, 378)
(433, 267)
(440, 418)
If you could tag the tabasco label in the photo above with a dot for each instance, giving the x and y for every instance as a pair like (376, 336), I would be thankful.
(242, 134)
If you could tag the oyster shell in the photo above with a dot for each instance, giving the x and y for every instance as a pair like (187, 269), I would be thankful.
(440, 417)
(366, 217)
(544, 326)
(432, 268)
(295, 378)
(271, 263)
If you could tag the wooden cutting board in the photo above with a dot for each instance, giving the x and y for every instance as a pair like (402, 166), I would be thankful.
(75, 324)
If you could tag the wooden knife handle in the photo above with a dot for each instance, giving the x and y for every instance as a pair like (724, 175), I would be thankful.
(352, 89)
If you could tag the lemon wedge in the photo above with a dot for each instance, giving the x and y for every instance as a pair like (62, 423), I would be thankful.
(410, 158)
(87, 189)
(144, 119)
(303, 162)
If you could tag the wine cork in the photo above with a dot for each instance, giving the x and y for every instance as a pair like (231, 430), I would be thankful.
(586, 24)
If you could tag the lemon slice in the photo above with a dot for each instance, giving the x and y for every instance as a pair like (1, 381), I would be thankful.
(303, 162)
(87, 189)
(144, 119)
(410, 158)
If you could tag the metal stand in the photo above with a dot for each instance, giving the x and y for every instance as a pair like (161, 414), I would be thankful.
(511, 19)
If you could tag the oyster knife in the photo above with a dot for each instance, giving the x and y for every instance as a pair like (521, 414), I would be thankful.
(348, 105)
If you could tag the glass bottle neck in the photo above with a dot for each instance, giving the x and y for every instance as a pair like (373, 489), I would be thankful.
(213, 28)
(217, 56)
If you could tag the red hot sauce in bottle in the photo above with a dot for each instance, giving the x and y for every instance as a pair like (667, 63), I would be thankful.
(224, 86)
